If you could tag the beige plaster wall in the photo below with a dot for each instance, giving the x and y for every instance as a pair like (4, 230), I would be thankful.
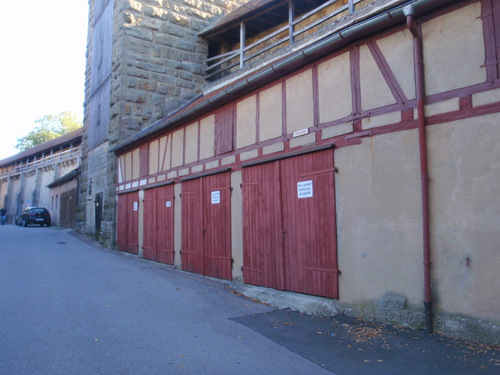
(165, 153)
(271, 113)
(378, 218)
(177, 147)
(136, 163)
(374, 89)
(4, 184)
(191, 143)
(128, 166)
(29, 184)
(47, 176)
(246, 125)
(12, 203)
(453, 58)
(154, 148)
(464, 159)
(397, 49)
(207, 137)
(299, 102)
(236, 225)
(334, 88)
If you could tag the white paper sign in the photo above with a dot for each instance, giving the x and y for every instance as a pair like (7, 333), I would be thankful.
(305, 189)
(168, 204)
(216, 197)
(136, 206)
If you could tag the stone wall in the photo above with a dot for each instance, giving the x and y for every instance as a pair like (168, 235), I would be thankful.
(157, 66)
(159, 60)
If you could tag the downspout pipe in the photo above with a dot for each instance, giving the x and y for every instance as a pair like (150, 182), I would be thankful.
(424, 172)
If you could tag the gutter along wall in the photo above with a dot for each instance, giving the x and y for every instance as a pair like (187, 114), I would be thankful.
(362, 100)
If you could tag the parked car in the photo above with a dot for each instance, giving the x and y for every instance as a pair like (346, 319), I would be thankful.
(34, 215)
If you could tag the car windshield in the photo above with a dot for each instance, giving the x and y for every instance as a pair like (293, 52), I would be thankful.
(38, 210)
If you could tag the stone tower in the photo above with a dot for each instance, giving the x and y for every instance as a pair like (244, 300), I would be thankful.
(144, 60)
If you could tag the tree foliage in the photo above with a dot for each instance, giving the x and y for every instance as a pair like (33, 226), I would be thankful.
(50, 127)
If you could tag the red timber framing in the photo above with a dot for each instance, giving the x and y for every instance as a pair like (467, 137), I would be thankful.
(289, 225)
(490, 14)
(206, 225)
(127, 238)
(158, 241)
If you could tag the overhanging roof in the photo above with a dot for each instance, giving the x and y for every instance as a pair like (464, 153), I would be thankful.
(47, 146)
(351, 30)
(66, 178)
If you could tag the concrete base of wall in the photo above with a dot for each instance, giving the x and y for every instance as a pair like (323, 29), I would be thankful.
(391, 308)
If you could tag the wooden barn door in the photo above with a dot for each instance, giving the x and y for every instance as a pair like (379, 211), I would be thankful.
(309, 227)
(206, 226)
(262, 227)
(150, 225)
(158, 241)
(217, 225)
(165, 212)
(289, 228)
(192, 227)
(127, 215)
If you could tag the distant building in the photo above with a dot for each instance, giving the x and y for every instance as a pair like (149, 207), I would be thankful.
(25, 177)
(344, 149)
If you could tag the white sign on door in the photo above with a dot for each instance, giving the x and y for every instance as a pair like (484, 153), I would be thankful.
(305, 189)
(216, 197)
(168, 204)
(136, 206)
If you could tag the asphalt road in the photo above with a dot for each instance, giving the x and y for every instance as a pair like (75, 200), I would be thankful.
(68, 306)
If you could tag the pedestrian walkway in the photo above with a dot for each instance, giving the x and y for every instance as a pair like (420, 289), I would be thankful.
(346, 345)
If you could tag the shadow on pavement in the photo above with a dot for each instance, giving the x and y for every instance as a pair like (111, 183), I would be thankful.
(346, 345)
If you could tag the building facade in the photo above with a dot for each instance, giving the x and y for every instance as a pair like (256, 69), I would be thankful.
(26, 178)
(143, 61)
(344, 149)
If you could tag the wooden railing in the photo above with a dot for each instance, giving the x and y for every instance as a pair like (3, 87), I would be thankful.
(238, 58)
(45, 161)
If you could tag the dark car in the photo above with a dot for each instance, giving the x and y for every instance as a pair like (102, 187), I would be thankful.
(34, 215)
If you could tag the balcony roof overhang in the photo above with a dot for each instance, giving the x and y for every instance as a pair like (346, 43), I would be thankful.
(258, 16)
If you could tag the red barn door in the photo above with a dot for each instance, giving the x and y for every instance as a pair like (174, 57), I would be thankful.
(206, 226)
(289, 227)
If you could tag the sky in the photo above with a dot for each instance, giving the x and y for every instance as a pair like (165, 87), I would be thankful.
(42, 64)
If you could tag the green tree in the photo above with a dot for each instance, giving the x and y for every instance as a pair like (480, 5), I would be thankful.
(50, 127)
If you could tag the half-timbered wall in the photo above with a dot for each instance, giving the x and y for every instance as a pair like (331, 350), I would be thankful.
(362, 101)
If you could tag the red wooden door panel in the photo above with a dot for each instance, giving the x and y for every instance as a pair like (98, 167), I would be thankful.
(262, 236)
(206, 226)
(217, 225)
(127, 236)
(121, 223)
(308, 201)
(133, 219)
(165, 217)
(289, 228)
(150, 225)
(192, 227)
